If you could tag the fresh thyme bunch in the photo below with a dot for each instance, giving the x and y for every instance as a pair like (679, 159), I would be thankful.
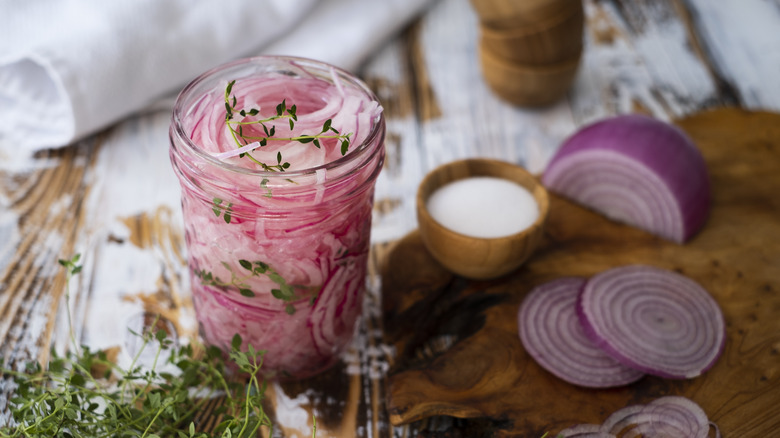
(84, 394)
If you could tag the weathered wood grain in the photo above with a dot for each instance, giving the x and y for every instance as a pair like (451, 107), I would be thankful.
(41, 214)
(44, 205)
(743, 45)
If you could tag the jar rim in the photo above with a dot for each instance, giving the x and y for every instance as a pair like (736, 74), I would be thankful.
(307, 64)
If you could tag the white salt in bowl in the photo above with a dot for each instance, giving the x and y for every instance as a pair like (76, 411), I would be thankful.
(494, 234)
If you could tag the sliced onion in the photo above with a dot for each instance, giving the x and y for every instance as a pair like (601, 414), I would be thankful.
(670, 416)
(621, 418)
(637, 170)
(552, 335)
(237, 151)
(677, 413)
(317, 100)
(653, 320)
(584, 431)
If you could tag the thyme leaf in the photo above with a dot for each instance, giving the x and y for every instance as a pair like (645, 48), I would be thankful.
(283, 111)
(238, 281)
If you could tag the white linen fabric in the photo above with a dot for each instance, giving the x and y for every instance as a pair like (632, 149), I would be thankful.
(346, 32)
(71, 67)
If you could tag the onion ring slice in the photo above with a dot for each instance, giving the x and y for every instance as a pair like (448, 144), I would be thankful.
(584, 431)
(670, 416)
(552, 335)
(653, 320)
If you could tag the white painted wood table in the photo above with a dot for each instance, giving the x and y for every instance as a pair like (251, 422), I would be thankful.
(114, 199)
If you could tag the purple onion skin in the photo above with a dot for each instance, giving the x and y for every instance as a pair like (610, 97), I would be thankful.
(583, 366)
(662, 148)
(602, 343)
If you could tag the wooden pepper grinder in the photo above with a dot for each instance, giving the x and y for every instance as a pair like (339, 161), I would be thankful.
(530, 49)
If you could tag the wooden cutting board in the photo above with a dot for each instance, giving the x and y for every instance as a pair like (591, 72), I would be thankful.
(459, 353)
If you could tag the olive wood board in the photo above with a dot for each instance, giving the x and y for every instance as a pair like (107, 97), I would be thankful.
(458, 349)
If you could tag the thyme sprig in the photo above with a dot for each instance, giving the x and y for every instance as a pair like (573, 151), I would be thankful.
(284, 291)
(71, 269)
(225, 211)
(85, 394)
(69, 398)
(283, 111)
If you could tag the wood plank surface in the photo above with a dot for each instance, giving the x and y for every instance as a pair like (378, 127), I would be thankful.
(485, 372)
(114, 199)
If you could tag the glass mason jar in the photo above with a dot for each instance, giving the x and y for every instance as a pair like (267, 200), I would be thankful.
(278, 255)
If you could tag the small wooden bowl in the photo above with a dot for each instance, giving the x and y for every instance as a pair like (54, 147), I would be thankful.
(506, 14)
(543, 43)
(528, 85)
(475, 257)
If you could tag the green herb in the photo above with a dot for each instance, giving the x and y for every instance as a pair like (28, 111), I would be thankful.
(84, 394)
(69, 400)
(283, 111)
(226, 211)
(71, 269)
(284, 291)
(264, 185)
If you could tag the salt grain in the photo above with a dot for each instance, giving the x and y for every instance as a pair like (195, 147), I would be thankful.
(485, 207)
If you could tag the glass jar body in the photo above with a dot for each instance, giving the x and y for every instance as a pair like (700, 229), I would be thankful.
(278, 258)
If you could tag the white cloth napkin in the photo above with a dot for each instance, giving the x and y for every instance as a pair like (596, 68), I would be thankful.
(346, 32)
(71, 67)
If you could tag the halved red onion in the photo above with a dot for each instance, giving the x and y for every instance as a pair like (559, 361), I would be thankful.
(551, 333)
(653, 320)
(670, 416)
(637, 170)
